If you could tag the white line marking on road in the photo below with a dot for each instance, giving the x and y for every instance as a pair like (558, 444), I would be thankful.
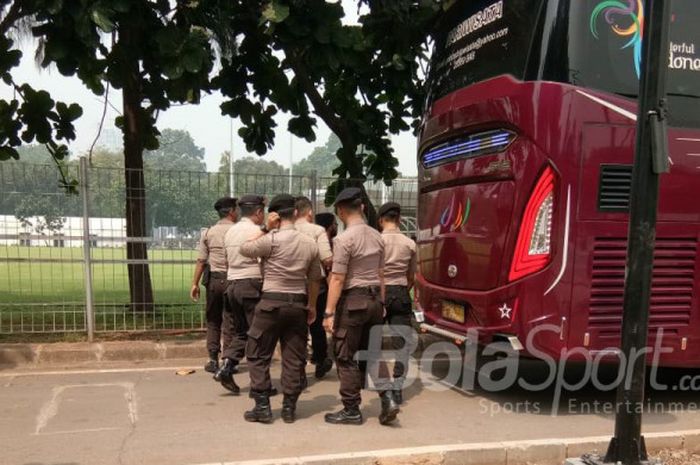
(688, 139)
(78, 431)
(93, 372)
(50, 409)
(441, 449)
(694, 154)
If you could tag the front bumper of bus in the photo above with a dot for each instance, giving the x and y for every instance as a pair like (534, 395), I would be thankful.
(486, 316)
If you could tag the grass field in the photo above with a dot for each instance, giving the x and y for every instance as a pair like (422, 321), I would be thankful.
(43, 288)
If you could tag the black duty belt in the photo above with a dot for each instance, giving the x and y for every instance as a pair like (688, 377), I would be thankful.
(285, 297)
(218, 274)
(363, 290)
(399, 287)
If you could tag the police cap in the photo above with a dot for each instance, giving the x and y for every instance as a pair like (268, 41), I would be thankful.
(325, 219)
(252, 200)
(349, 194)
(281, 202)
(388, 208)
(225, 203)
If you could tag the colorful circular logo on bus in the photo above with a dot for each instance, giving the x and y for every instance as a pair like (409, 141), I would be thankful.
(626, 19)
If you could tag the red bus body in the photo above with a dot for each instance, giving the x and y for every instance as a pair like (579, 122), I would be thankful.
(471, 213)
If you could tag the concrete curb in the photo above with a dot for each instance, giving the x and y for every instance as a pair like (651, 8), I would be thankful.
(66, 354)
(537, 452)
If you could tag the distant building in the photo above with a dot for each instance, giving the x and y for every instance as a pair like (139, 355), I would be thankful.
(104, 232)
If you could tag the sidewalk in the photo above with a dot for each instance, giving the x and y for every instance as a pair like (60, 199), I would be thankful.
(18, 355)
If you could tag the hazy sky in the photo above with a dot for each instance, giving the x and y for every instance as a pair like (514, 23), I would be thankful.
(208, 127)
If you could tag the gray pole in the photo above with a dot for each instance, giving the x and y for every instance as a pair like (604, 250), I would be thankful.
(87, 259)
(291, 162)
(314, 193)
(231, 180)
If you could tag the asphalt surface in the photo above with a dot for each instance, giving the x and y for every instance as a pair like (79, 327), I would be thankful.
(148, 415)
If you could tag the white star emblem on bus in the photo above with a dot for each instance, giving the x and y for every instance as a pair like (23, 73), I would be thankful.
(505, 311)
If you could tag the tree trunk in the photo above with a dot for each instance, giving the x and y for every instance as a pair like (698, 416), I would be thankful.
(140, 287)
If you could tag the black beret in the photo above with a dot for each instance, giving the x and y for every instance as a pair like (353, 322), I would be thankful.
(225, 203)
(348, 194)
(325, 219)
(281, 202)
(252, 200)
(389, 207)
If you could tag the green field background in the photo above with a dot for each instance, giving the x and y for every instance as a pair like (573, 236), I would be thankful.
(43, 289)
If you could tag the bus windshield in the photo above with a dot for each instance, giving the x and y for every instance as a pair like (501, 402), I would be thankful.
(598, 45)
(605, 51)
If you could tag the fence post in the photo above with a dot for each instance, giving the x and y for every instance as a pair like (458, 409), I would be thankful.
(87, 258)
(314, 189)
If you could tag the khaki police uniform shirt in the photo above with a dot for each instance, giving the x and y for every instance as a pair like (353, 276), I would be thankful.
(211, 245)
(289, 259)
(400, 257)
(358, 253)
(239, 266)
(318, 234)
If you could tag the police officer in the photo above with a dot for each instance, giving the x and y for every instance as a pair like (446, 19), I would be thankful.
(399, 275)
(244, 285)
(356, 289)
(291, 269)
(211, 255)
(305, 225)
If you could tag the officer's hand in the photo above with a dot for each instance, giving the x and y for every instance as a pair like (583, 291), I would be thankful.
(328, 324)
(194, 292)
(311, 315)
(273, 221)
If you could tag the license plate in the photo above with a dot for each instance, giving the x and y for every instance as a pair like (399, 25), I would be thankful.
(452, 311)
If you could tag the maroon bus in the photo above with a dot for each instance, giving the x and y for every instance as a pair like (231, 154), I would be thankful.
(525, 163)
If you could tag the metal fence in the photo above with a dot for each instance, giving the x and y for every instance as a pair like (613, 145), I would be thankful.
(63, 257)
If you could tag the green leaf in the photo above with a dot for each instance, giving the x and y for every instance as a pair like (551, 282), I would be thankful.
(7, 153)
(100, 16)
(275, 12)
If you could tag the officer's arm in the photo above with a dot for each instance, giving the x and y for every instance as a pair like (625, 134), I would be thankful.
(382, 287)
(411, 273)
(198, 272)
(324, 251)
(257, 248)
(336, 282)
(202, 257)
(335, 288)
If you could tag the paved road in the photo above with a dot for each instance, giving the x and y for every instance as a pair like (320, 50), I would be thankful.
(149, 416)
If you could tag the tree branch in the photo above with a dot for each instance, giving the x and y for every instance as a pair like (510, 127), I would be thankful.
(324, 111)
(13, 14)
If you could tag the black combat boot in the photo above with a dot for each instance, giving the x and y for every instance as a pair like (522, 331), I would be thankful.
(390, 409)
(224, 375)
(213, 363)
(289, 408)
(398, 396)
(261, 413)
(322, 368)
(347, 416)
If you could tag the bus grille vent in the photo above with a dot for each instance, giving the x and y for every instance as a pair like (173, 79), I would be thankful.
(615, 188)
(672, 285)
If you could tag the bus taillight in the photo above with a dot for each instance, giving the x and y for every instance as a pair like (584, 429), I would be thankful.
(533, 249)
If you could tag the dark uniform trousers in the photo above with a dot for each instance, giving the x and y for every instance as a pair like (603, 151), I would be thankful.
(218, 320)
(398, 317)
(279, 318)
(319, 341)
(359, 309)
(242, 295)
